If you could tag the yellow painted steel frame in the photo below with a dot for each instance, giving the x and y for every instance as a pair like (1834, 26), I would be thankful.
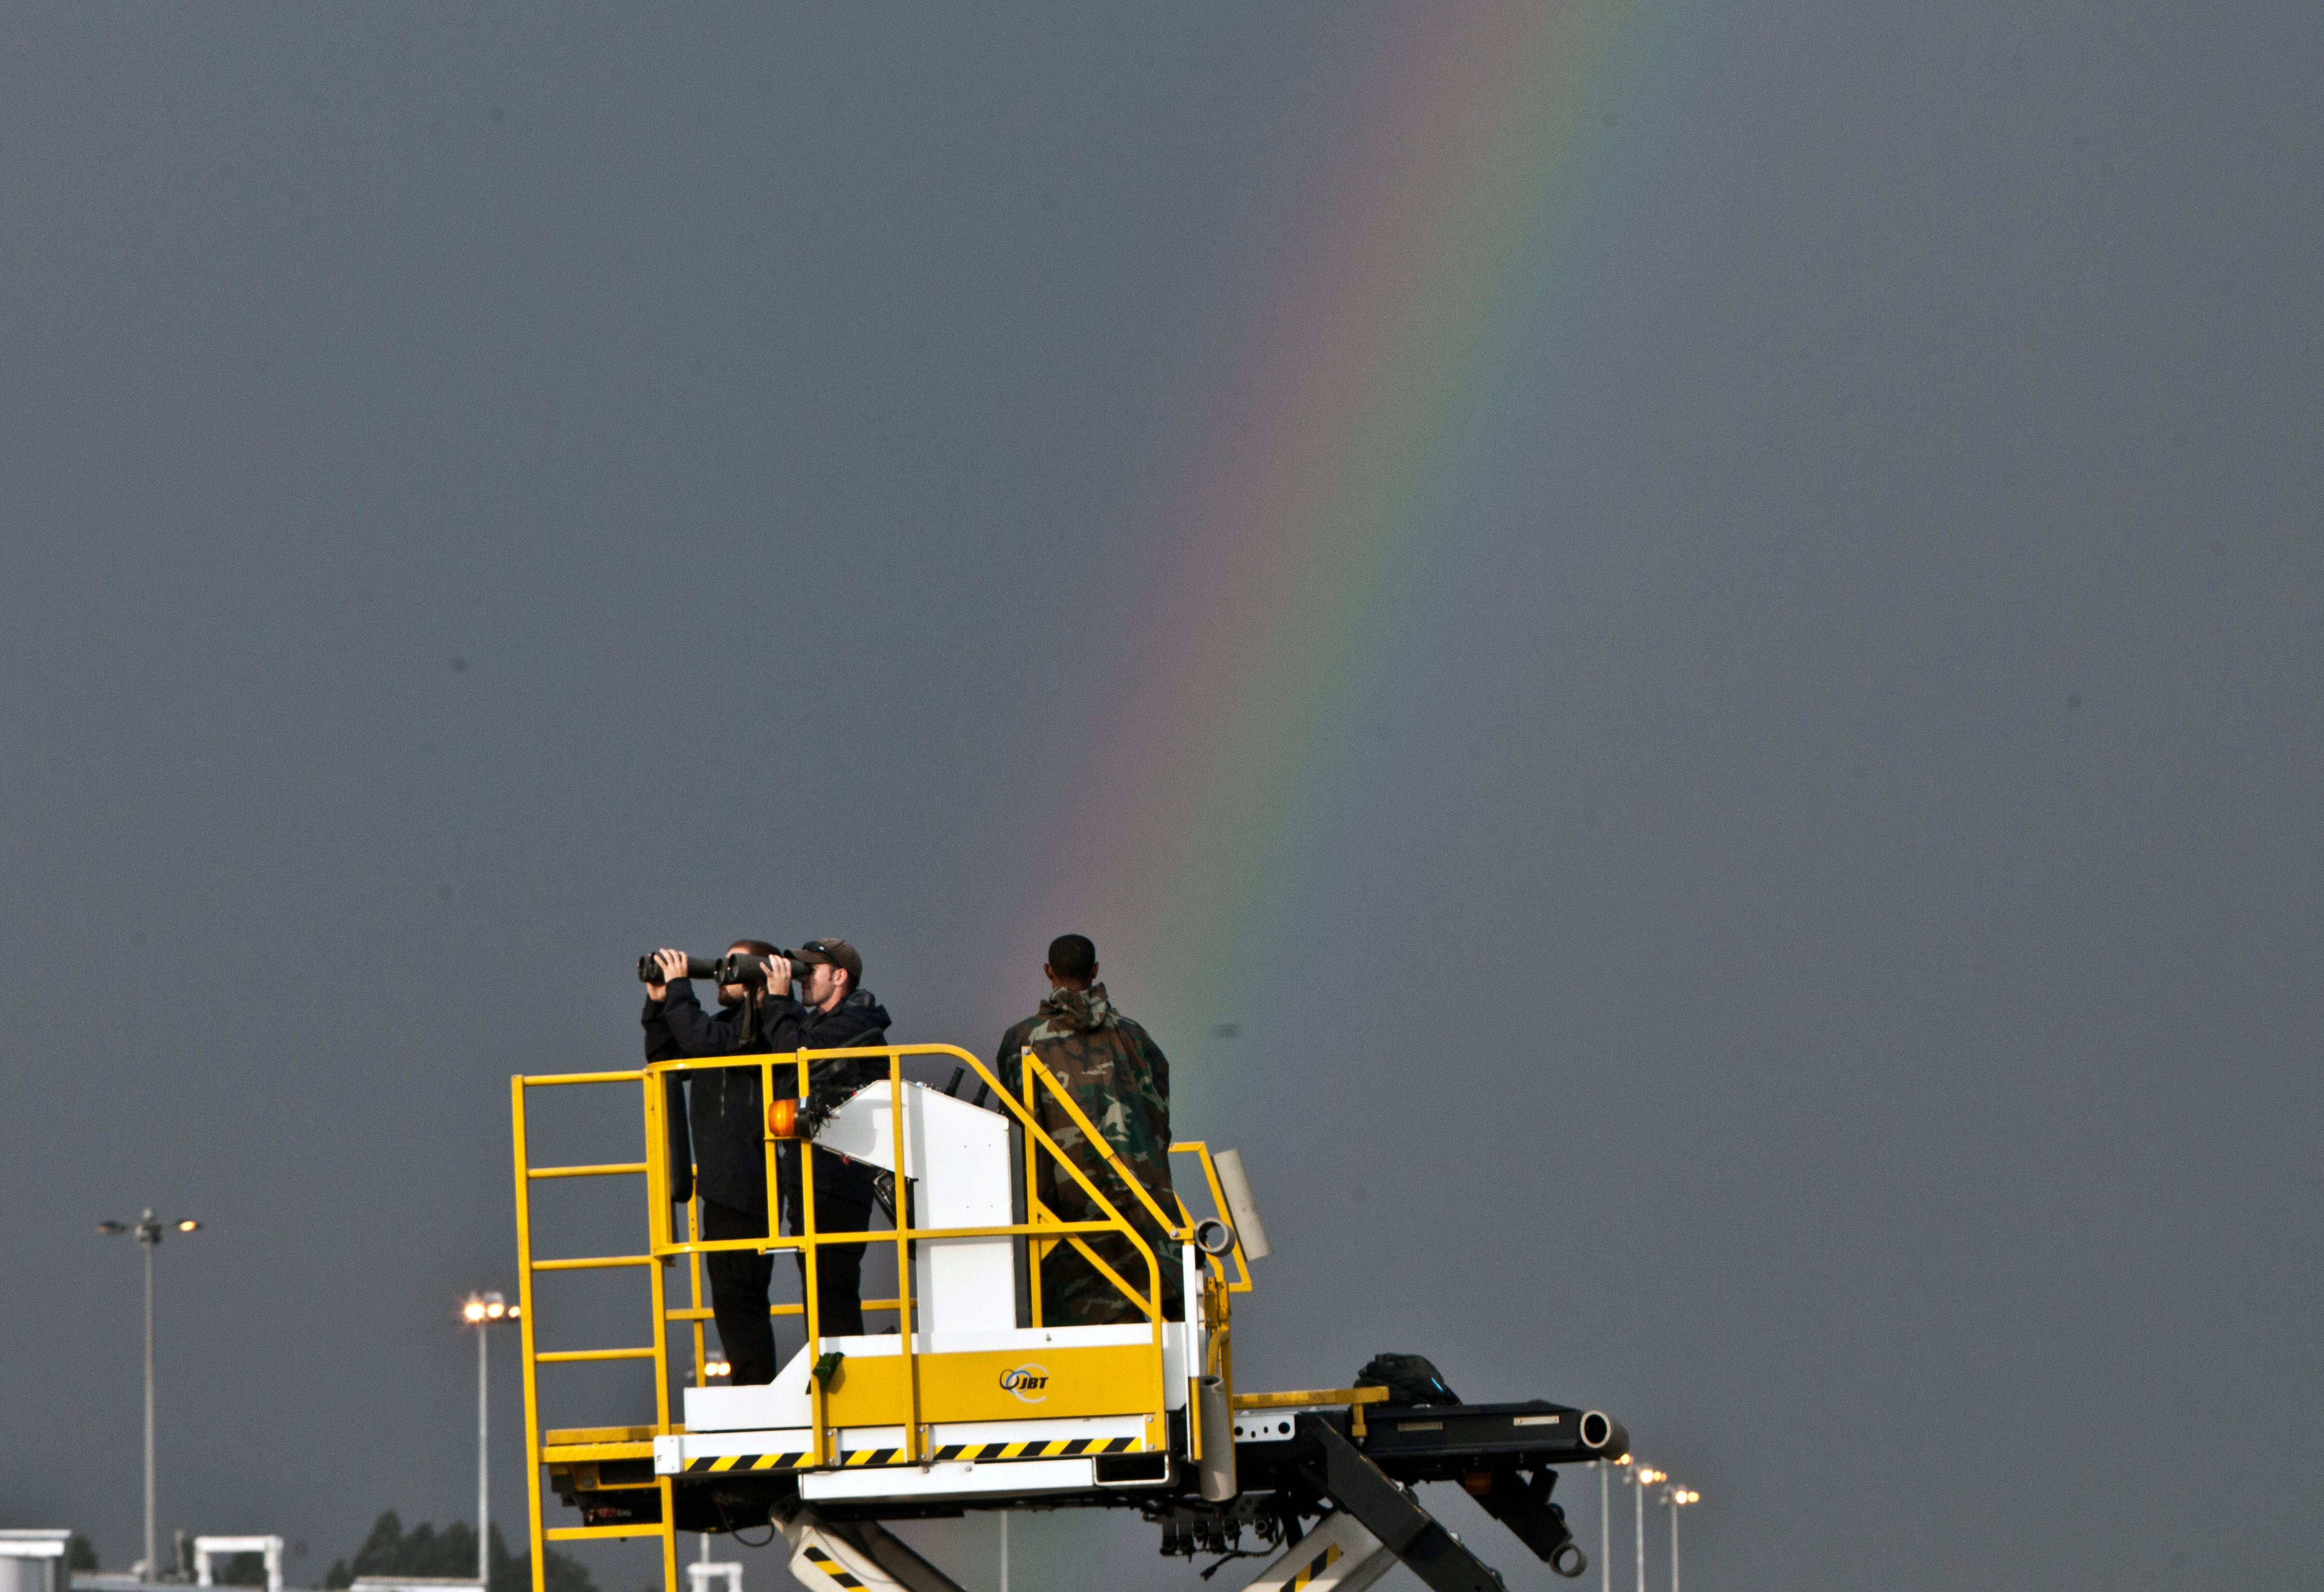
(1241, 1285)
(872, 1404)
(657, 1181)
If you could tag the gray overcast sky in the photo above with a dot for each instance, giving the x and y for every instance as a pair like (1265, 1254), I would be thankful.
(1802, 933)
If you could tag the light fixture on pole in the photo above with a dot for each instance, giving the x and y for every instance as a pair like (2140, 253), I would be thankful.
(148, 1233)
(1677, 1498)
(483, 1311)
(1646, 1478)
(1606, 1522)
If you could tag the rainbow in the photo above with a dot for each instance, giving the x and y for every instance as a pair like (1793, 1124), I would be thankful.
(1391, 289)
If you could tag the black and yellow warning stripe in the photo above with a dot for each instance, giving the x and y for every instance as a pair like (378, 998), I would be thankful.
(790, 1461)
(1316, 1566)
(1061, 1447)
(830, 1566)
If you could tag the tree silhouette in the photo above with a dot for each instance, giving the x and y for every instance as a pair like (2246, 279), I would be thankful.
(450, 1554)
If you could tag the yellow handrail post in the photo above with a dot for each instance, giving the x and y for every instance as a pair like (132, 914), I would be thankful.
(525, 1339)
(903, 1260)
(1036, 1250)
(694, 1277)
(656, 1164)
(810, 1290)
(668, 1490)
(657, 1275)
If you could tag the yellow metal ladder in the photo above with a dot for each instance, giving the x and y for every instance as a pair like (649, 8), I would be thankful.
(588, 1445)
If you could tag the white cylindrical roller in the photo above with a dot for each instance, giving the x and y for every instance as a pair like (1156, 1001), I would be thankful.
(1241, 1208)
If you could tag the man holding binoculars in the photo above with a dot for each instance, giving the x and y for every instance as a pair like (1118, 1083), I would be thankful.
(760, 1015)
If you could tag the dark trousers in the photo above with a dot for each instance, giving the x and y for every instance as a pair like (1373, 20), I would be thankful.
(842, 1204)
(738, 1292)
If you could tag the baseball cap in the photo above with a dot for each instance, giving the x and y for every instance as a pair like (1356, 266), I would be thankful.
(837, 953)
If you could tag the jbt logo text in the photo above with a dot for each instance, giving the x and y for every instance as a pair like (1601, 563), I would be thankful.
(1028, 1383)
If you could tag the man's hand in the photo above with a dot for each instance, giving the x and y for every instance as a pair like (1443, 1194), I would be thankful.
(778, 975)
(672, 964)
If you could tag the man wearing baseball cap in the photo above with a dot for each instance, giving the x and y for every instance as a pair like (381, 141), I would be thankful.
(831, 1012)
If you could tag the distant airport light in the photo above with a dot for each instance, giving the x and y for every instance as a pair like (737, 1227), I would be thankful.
(487, 1306)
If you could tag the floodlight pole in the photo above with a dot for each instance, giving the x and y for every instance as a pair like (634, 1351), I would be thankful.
(1640, 1479)
(484, 1461)
(1605, 1527)
(1675, 1498)
(1641, 1491)
(1673, 1509)
(148, 1234)
(149, 1238)
(483, 1311)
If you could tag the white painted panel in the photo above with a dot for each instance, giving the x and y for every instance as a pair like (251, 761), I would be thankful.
(957, 1156)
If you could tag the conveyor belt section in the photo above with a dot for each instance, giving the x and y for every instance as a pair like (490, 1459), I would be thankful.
(1501, 1454)
(1445, 1441)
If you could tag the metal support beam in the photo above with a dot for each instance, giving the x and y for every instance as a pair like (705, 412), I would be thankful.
(1384, 1508)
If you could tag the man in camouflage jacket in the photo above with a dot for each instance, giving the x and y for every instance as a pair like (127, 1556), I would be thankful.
(1120, 1079)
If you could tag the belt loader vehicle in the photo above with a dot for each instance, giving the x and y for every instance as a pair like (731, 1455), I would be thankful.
(971, 1401)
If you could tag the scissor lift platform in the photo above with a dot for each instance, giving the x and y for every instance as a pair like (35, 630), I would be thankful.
(967, 1404)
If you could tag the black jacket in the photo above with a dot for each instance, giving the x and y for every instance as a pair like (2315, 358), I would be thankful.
(659, 1048)
(858, 1020)
(727, 1115)
(729, 1123)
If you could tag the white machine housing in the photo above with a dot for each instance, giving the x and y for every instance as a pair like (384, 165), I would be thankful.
(956, 1158)
(956, 1163)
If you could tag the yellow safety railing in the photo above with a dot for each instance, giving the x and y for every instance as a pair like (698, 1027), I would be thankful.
(534, 1356)
(1043, 1231)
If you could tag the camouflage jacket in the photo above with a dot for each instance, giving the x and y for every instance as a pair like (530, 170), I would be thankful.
(1119, 1079)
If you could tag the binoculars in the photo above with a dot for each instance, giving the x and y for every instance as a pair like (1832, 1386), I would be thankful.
(736, 967)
